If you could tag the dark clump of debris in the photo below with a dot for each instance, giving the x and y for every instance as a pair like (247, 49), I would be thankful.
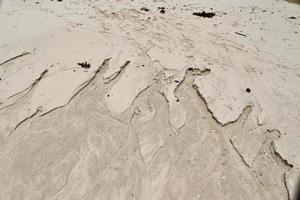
(292, 17)
(162, 10)
(248, 90)
(84, 65)
(145, 9)
(204, 14)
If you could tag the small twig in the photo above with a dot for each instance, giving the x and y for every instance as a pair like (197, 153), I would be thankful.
(241, 34)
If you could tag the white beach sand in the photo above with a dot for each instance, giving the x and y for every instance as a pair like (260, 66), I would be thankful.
(171, 106)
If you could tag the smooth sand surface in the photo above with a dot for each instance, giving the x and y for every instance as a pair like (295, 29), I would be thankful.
(149, 100)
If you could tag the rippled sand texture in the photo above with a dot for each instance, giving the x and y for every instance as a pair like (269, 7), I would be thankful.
(169, 104)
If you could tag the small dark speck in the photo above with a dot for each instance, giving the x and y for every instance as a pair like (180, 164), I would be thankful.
(176, 81)
(177, 100)
(108, 95)
(248, 90)
(74, 70)
(292, 17)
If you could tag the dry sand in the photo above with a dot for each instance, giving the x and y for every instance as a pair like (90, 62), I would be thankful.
(169, 104)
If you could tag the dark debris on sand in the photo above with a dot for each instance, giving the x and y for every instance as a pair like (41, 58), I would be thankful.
(204, 14)
(145, 9)
(162, 10)
(84, 65)
(241, 34)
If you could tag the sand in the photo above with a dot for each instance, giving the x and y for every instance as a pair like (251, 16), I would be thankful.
(149, 100)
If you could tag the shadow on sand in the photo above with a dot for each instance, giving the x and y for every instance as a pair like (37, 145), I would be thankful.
(294, 1)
